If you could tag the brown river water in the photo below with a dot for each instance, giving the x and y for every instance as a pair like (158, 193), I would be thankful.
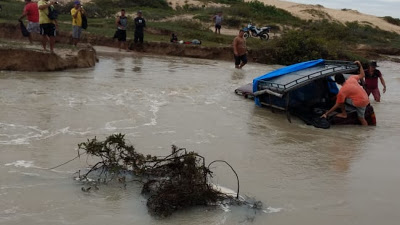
(303, 175)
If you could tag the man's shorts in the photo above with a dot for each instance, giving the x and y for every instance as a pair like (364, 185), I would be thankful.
(350, 106)
(375, 92)
(241, 58)
(218, 26)
(33, 27)
(48, 29)
(121, 35)
(76, 32)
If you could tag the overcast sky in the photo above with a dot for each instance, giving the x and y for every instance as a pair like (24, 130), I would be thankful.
(373, 7)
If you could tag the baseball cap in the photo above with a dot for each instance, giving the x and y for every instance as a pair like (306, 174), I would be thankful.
(77, 2)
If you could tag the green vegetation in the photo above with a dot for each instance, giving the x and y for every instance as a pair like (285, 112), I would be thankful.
(11, 10)
(329, 40)
(317, 13)
(392, 20)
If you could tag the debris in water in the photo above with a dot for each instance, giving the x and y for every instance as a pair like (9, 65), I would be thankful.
(173, 182)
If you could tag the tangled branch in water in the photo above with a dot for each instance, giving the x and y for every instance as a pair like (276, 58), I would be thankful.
(173, 182)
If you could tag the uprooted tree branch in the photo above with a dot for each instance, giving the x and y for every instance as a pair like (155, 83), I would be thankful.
(176, 181)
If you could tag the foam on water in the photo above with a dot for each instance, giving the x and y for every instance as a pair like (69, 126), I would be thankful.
(23, 135)
(272, 210)
(14, 134)
(165, 132)
(112, 125)
(31, 174)
(225, 208)
(22, 163)
(12, 210)
(154, 108)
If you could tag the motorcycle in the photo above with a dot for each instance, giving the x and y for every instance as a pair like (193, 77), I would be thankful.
(253, 31)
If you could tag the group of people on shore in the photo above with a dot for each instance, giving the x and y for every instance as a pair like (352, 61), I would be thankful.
(122, 25)
(40, 22)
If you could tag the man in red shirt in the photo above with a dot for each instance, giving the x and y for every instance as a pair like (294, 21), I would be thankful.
(351, 93)
(31, 11)
(371, 81)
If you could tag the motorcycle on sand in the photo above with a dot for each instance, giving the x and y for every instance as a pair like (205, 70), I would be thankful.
(253, 31)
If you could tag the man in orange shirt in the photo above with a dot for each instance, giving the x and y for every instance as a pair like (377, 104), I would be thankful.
(351, 93)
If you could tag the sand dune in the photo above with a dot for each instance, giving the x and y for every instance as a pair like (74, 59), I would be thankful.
(305, 11)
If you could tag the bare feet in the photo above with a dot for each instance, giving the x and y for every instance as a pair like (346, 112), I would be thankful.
(363, 121)
(341, 115)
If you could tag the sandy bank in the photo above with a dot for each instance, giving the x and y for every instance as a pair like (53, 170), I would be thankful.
(16, 54)
(28, 59)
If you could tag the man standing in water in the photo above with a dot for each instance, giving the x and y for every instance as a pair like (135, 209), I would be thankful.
(47, 26)
(218, 22)
(140, 24)
(31, 11)
(76, 14)
(239, 50)
(122, 23)
(351, 93)
(371, 81)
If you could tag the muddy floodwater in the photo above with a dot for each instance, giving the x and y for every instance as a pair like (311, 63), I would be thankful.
(303, 175)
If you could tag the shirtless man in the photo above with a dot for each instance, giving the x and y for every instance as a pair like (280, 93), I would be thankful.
(239, 50)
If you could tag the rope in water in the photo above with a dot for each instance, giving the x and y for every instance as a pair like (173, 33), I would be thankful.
(52, 168)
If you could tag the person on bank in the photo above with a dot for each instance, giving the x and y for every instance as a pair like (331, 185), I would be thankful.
(218, 22)
(31, 11)
(371, 81)
(48, 27)
(239, 50)
(140, 24)
(76, 14)
(174, 38)
(122, 24)
(351, 93)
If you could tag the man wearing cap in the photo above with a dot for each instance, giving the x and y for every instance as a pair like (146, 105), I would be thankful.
(76, 14)
(31, 11)
(48, 27)
(239, 50)
(140, 24)
(371, 81)
(351, 93)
